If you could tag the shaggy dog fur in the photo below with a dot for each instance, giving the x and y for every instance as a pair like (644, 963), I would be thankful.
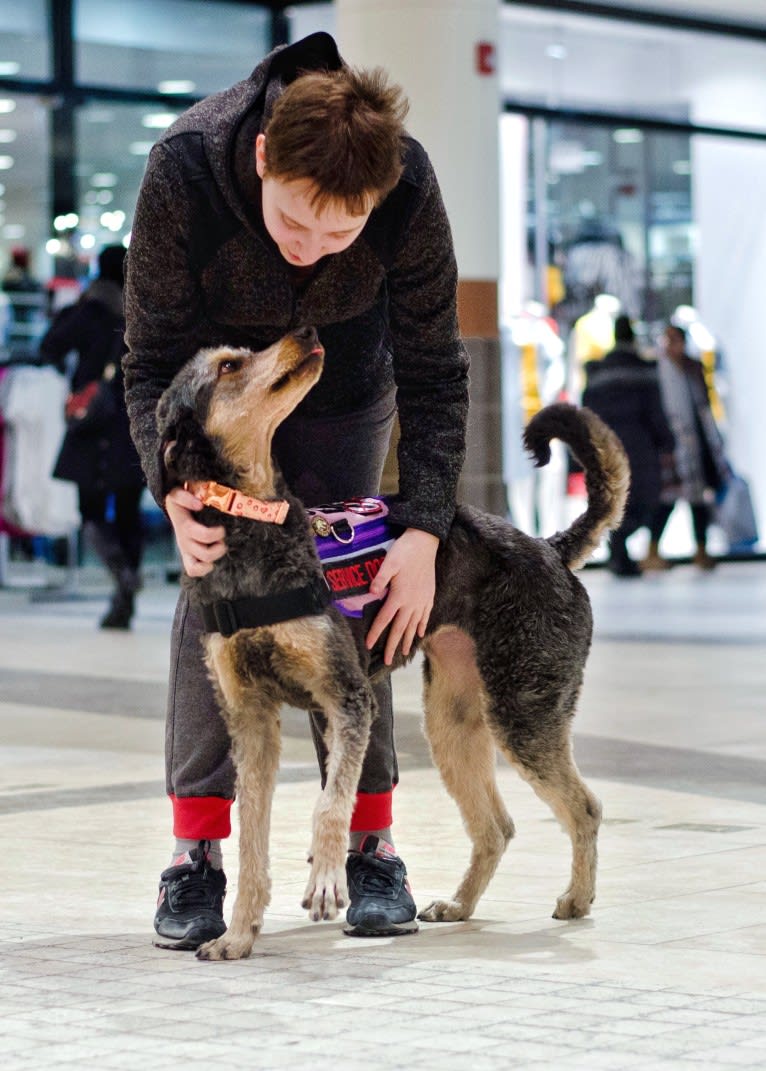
(504, 652)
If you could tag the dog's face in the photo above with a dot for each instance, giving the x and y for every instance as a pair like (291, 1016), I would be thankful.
(237, 398)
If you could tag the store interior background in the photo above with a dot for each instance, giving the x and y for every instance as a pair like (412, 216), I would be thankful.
(653, 131)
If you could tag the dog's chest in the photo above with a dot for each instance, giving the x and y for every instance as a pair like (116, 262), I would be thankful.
(283, 663)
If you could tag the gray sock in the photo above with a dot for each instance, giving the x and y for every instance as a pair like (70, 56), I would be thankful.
(355, 839)
(184, 845)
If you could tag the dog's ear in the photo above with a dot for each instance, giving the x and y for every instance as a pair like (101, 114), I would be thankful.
(175, 438)
(168, 473)
(176, 404)
(175, 414)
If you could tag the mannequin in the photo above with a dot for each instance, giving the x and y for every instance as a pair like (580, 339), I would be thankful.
(534, 374)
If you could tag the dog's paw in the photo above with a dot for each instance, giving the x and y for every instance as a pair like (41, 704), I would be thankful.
(443, 911)
(229, 946)
(326, 893)
(571, 906)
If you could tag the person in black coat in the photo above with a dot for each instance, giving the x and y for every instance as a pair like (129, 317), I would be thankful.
(98, 452)
(623, 390)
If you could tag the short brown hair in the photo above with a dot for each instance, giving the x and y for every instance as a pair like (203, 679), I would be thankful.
(341, 131)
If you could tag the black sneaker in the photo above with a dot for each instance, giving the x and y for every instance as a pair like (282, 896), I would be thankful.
(190, 905)
(381, 901)
(624, 567)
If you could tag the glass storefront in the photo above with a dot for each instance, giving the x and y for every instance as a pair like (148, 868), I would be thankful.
(619, 219)
(25, 43)
(24, 220)
(621, 190)
(85, 152)
(113, 141)
(182, 46)
(623, 171)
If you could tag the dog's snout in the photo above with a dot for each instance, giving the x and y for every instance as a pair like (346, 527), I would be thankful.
(307, 335)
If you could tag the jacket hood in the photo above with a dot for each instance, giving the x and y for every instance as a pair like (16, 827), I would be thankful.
(220, 117)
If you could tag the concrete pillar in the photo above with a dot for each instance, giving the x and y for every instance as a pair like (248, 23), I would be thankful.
(442, 53)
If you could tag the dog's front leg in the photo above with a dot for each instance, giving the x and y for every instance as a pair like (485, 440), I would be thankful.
(347, 736)
(255, 748)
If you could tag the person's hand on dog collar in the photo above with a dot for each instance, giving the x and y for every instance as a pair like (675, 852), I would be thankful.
(408, 573)
(199, 546)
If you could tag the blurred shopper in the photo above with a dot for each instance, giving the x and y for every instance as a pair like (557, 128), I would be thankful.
(98, 453)
(699, 451)
(623, 389)
(27, 304)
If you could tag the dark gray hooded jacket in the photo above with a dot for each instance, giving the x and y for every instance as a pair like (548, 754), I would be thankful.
(385, 308)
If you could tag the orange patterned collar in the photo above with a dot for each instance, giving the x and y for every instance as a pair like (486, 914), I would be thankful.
(234, 502)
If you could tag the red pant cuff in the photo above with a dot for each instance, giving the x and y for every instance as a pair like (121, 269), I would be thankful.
(201, 817)
(373, 810)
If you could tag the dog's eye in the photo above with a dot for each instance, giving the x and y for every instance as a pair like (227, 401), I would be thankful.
(229, 365)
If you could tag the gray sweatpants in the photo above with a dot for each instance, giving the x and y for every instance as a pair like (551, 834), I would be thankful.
(323, 460)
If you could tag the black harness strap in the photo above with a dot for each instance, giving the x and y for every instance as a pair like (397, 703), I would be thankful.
(229, 616)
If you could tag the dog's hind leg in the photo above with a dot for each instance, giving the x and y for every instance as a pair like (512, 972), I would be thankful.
(464, 752)
(552, 773)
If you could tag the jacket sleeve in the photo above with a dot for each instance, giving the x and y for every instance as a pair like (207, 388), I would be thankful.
(430, 367)
(62, 337)
(162, 304)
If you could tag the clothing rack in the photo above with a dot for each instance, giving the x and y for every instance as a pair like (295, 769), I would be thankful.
(34, 578)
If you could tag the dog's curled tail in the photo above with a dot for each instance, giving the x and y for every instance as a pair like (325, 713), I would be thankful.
(607, 474)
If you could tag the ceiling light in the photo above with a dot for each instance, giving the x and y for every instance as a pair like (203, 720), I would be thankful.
(592, 158)
(14, 231)
(53, 246)
(66, 222)
(8, 68)
(87, 241)
(7, 136)
(158, 120)
(682, 167)
(6, 163)
(140, 148)
(103, 197)
(103, 178)
(557, 51)
(112, 221)
(628, 135)
(178, 85)
(7, 106)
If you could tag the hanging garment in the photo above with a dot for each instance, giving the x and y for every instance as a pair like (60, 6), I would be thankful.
(33, 411)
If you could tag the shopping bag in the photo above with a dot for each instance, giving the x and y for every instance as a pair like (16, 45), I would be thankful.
(735, 515)
(79, 402)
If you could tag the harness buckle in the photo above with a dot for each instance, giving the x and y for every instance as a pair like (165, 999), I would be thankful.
(321, 594)
(225, 618)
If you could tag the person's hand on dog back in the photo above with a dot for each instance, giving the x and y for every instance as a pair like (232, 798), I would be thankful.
(408, 573)
(199, 545)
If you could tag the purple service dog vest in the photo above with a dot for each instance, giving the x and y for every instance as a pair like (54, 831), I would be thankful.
(352, 539)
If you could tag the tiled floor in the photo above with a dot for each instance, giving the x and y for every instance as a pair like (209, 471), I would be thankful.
(670, 971)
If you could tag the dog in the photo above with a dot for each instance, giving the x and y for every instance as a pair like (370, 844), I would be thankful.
(504, 649)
